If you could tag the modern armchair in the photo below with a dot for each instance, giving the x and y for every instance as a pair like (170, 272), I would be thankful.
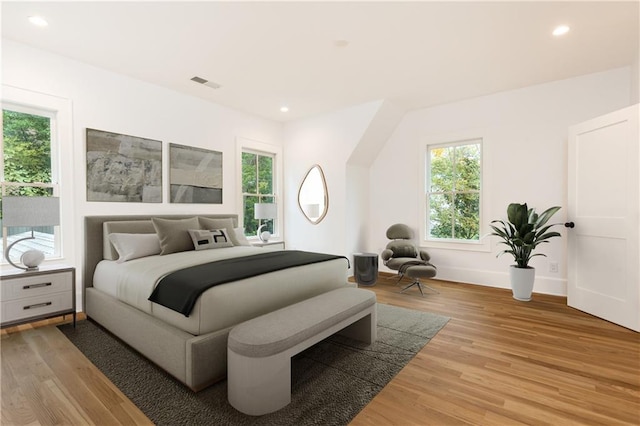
(402, 255)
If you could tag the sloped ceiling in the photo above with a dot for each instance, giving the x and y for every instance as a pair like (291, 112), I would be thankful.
(268, 54)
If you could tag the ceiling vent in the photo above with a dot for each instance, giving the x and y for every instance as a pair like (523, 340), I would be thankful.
(201, 80)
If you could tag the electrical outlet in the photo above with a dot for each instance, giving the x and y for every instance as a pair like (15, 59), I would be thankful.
(553, 267)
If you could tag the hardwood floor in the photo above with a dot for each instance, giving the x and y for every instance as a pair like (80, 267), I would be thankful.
(46, 380)
(498, 361)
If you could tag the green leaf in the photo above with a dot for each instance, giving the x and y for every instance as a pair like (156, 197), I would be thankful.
(546, 215)
(524, 231)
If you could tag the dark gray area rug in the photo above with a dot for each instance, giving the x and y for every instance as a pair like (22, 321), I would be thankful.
(331, 381)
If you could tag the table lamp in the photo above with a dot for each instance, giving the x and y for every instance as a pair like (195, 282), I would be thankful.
(264, 211)
(29, 212)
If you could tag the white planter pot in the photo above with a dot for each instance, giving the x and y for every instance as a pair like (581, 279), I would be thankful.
(522, 282)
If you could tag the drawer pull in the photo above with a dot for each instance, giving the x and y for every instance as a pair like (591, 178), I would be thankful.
(28, 287)
(37, 305)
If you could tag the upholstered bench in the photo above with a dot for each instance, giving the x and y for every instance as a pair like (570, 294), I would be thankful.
(260, 350)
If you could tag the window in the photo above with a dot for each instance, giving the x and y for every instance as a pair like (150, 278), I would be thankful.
(258, 186)
(27, 169)
(453, 191)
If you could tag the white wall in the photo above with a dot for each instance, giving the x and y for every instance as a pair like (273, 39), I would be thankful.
(525, 142)
(327, 140)
(107, 101)
(635, 80)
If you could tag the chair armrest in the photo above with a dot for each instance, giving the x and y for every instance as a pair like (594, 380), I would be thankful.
(424, 256)
(386, 254)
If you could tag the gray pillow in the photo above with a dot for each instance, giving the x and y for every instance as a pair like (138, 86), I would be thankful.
(402, 249)
(174, 233)
(242, 239)
(134, 246)
(226, 223)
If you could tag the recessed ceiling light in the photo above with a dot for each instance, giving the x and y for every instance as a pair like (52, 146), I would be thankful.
(284, 108)
(560, 30)
(38, 21)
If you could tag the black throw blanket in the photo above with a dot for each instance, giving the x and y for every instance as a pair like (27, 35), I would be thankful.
(179, 290)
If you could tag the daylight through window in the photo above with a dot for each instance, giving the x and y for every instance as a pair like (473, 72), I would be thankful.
(453, 191)
(26, 170)
(257, 187)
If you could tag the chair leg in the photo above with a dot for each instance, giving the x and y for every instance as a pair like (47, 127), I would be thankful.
(420, 287)
(416, 283)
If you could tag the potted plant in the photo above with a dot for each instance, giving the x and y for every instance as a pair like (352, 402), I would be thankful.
(522, 233)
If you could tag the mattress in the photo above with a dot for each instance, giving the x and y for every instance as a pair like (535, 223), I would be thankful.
(221, 306)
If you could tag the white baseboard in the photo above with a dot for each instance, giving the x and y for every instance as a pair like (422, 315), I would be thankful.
(543, 284)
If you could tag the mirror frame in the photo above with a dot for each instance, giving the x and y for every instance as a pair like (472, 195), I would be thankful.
(326, 195)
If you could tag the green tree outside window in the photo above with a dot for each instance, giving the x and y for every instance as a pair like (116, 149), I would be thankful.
(453, 196)
(257, 187)
(26, 166)
(27, 152)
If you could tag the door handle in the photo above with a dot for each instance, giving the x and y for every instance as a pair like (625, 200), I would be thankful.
(569, 225)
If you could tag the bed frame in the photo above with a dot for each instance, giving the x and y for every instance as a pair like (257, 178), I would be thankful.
(197, 361)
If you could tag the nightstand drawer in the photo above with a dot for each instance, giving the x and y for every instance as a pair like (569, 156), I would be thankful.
(15, 310)
(36, 285)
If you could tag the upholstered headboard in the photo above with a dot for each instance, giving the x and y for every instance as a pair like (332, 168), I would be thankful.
(96, 248)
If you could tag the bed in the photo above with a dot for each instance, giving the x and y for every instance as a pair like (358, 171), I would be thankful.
(191, 347)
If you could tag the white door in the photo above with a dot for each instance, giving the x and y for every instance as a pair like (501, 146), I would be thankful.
(604, 192)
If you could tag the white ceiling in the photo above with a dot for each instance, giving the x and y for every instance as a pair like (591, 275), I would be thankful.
(267, 54)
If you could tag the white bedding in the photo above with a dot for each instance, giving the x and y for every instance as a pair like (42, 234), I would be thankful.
(221, 306)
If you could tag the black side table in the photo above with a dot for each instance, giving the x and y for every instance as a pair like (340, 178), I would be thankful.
(365, 266)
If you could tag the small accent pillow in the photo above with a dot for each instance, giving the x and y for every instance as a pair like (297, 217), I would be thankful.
(134, 246)
(402, 250)
(174, 233)
(242, 239)
(222, 223)
(215, 238)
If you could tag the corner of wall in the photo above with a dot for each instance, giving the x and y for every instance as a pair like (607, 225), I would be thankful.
(635, 80)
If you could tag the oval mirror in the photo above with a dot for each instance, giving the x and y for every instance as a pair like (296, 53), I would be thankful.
(313, 197)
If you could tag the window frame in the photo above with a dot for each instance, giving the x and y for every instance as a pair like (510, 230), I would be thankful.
(59, 110)
(274, 151)
(483, 243)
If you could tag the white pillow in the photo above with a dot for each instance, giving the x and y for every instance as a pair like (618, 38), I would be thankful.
(242, 240)
(134, 246)
(204, 239)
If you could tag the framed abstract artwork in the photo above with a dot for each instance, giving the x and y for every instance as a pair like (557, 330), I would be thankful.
(195, 175)
(123, 168)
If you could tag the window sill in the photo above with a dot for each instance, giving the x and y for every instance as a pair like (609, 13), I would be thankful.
(483, 245)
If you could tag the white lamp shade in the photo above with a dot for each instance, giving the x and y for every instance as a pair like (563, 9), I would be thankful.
(265, 211)
(30, 211)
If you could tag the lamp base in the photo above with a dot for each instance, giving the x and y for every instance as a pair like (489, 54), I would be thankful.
(263, 235)
(32, 261)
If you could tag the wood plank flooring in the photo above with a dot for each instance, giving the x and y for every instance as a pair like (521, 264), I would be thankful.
(47, 381)
(500, 361)
(497, 362)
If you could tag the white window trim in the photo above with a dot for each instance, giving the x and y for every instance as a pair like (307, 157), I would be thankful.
(61, 165)
(243, 144)
(484, 243)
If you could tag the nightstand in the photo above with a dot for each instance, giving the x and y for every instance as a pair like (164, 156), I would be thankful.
(269, 245)
(34, 295)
